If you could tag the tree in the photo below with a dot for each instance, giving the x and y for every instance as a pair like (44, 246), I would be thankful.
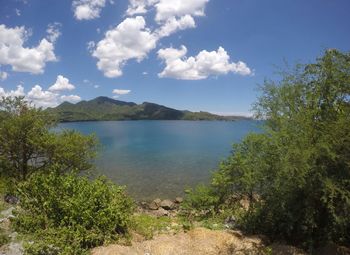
(28, 144)
(300, 165)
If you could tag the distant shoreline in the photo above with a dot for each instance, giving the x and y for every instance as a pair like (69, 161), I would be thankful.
(228, 120)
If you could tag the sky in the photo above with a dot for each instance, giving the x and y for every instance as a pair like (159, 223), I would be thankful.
(208, 55)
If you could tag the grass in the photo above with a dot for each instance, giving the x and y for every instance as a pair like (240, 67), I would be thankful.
(147, 225)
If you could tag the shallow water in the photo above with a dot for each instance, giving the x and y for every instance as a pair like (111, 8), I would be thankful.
(161, 158)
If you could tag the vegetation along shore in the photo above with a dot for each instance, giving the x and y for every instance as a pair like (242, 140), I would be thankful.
(283, 191)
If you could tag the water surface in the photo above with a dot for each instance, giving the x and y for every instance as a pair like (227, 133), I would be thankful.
(161, 158)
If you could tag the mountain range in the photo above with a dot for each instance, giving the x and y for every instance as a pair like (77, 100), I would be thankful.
(105, 108)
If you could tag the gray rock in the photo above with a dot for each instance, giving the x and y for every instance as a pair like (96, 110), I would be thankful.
(179, 200)
(155, 204)
(160, 212)
(167, 204)
(230, 222)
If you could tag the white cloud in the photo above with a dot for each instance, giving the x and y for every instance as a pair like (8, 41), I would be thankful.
(171, 15)
(166, 9)
(121, 91)
(22, 59)
(129, 40)
(96, 86)
(62, 83)
(42, 98)
(18, 12)
(173, 24)
(12, 93)
(202, 66)
(87, 9)
(145, 73)
(71, 98)
(53, 31)
(3, 76)
(139, 6)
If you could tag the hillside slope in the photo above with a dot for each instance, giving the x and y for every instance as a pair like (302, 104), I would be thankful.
(104, 108)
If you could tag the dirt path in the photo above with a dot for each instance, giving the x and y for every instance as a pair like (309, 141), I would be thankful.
(199, 241)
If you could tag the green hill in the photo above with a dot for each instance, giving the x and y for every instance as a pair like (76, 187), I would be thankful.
(104, 108)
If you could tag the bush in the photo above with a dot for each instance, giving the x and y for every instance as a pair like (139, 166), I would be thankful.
(299, 168)
(69, 214)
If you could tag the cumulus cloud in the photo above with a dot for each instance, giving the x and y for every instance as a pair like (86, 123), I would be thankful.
(12, 93)
(121, 91)
(171, 15)
(20, 58)
(199, 67)
(71, 98)
(62, 83)
(87, 9)
(174, 24)
(45, 98)
(166, 9)
(129, 40)
(3, 75)
(139, 6)
(42, 98)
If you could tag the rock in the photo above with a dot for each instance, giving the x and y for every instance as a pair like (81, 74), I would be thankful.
(179, 200)
(11, 199)
(167, 204)
(160, 212)
(155, 204)
(230, 222)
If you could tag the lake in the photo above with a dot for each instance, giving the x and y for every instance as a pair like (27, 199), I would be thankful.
(162, 158)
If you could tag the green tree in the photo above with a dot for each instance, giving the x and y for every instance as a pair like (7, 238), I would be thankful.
(299, 168)
(28, 144)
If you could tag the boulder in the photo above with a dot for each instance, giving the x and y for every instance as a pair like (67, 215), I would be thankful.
(160, 212)
(167, 204)
(155, 204)
(179, 200)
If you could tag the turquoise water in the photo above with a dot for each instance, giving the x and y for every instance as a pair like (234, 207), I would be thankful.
(161, 158)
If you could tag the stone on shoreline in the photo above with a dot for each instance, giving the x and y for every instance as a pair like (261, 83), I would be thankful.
(179, 200)
(160, 212)
(167, 204)
(155, 204)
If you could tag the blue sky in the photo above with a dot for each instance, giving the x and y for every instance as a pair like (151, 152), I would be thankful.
(187, 54)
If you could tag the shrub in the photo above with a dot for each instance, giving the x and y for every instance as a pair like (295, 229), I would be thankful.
(69, 214)
(300, 166)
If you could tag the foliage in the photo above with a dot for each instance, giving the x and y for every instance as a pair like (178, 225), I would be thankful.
(29, 145)
(147, 225)
(68, 214)
(4, 238)
(297, 173)
(104, 108)
(202, 198)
